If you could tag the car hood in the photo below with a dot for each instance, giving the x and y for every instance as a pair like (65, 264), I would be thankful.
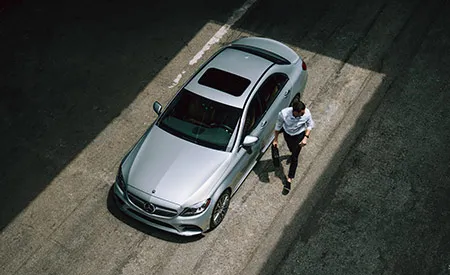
(171, 168)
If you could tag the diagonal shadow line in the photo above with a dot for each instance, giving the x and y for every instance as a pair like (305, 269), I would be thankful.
(394, 62)
(68, 69)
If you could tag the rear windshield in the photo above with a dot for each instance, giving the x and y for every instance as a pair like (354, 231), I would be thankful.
(224, 81)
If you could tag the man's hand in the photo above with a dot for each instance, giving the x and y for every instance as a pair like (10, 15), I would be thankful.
(275, 139)
(275, 143)
(303, 142)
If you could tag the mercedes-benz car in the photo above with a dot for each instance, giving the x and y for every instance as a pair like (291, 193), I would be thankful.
(182, 173)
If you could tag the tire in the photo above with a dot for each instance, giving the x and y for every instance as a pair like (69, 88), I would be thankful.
(220, 209)
(296, 98)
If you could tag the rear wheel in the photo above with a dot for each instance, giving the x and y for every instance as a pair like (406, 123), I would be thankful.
(220, 209)
(296, 98)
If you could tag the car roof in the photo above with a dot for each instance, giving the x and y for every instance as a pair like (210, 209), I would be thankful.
(235, 61)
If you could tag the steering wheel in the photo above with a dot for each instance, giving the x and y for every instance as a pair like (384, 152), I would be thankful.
(223, 126)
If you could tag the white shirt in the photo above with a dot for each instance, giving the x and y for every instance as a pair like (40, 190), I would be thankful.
(294, 125)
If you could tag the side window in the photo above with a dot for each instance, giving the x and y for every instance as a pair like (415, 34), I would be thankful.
(254, 115)
(270, 89)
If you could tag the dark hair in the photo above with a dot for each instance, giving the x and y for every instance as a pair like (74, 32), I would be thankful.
(298, 106)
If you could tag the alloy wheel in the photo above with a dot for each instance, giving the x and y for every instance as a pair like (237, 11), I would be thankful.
(220, 209)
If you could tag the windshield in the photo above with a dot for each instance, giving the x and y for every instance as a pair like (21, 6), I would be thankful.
(201, 120)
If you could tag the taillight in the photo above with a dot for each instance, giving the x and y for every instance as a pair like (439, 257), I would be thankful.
(303, 65)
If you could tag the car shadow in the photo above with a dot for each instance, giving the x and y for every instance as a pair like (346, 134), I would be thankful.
(148, 230)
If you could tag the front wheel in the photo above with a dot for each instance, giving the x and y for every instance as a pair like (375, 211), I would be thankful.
(220, 209)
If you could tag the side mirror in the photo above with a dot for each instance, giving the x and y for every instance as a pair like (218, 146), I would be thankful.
(249, 141)
(157, 107)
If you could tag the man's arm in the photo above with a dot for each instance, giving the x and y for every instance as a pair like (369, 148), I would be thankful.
(305, 138)
(309, 126)
(278, 127)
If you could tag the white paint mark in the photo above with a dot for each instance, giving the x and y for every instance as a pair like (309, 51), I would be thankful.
(216, 38)
(223, 30)
(176, 80)
(237, 14)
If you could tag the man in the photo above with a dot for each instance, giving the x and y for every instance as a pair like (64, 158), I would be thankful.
(296, 124)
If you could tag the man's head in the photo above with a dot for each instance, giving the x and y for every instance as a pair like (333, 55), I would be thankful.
(298, 108)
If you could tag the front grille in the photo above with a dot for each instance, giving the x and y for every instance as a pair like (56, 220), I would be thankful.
(159, 210)
(151, 220)
(136, 200)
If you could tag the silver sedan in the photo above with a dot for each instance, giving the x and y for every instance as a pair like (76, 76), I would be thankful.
(182, 173)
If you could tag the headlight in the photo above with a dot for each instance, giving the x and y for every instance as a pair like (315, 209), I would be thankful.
(120, 180)
(196, 208)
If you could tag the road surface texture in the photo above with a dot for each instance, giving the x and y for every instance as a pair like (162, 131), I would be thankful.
(371, 195)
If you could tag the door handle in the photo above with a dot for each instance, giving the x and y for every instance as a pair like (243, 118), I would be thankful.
(264, 123)
(287, 93)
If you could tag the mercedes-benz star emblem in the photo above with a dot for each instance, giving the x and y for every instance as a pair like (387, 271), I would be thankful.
(150, 208)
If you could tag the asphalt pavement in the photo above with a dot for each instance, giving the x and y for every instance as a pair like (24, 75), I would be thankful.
(371, 194)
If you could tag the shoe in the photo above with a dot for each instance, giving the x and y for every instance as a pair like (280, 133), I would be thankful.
(287, 185)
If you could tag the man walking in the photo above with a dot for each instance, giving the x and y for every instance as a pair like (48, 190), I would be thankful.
(296, 124)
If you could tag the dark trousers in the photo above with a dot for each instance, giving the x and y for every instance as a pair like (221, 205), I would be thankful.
(293, 143)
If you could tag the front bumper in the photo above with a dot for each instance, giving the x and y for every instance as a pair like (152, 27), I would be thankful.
(184, 226)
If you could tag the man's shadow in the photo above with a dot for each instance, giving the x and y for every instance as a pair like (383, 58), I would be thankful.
(264, 167)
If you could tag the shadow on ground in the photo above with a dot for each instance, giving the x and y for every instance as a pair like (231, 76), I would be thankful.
(67, 69)
(386, 209)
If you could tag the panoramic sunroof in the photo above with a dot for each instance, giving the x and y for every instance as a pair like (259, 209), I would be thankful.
(224, 81)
